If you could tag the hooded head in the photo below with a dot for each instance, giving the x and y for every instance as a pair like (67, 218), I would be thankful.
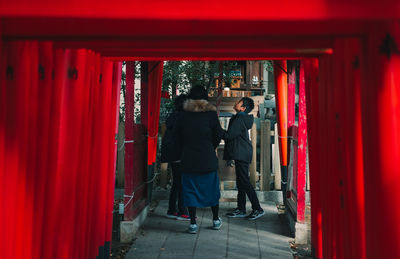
(197, 100)
(198, 93)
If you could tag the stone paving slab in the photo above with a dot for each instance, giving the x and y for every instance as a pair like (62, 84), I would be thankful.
(165, 238)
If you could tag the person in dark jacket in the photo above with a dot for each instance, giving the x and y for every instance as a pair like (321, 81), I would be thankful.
(238, 148)
(170, 153)
(200, 133)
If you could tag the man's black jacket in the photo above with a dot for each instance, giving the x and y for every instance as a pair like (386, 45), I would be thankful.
(237, 142)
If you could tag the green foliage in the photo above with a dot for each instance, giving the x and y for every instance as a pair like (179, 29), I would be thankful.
(123, 93)
(182, 75)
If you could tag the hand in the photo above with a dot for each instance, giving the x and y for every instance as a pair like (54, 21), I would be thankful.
(230, 163)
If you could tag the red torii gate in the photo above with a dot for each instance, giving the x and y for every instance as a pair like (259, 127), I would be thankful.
(351, 61)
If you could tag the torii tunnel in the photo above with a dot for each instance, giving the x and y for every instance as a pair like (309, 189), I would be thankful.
(59, 83)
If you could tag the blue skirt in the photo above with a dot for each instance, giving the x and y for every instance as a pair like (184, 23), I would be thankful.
(200, 190)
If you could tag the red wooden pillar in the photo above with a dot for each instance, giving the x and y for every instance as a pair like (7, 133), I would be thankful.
(325, 83)
(348, 61)
(281, 97)
(49, 244)
(145, 103)
(32, 145)
(154, 84)
(91, 172)
(106, 83)
(21, 79)
(151, 82)
(312, 87)
(3, 176)
(332, 169)
(129, 137)
(302, 149)
(95, 204)
(74, 100)
(84, 172)
(380, 95)
(114, 107)
(135, 145)
(46, 61)
(338, 126)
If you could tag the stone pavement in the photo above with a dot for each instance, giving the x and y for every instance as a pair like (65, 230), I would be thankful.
(238, 238)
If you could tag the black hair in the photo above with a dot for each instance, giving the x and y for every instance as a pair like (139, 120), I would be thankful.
(198, 93)
(248, 103)
(178, 102)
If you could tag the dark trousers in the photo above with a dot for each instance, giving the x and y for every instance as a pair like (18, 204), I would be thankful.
(176, 191)
(244, 187)
(192, 213)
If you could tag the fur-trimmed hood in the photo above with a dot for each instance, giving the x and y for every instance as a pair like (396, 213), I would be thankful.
(202, 105)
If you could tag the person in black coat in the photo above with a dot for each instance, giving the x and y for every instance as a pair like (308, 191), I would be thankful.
(238, 148)
(170, 153)
(199, 132)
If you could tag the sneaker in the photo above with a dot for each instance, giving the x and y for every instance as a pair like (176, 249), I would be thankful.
(217, 223)
(255, 214)
(172, 215)
(236, 213)
(183, 217)
(192, 229)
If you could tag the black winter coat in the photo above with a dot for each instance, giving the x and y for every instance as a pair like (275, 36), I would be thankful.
(198, 132)
(170, 152)
(237, 142)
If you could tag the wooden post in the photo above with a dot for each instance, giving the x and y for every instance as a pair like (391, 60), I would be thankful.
(253, 165)
(265, 155)
(231, 184)
(276, 160)
(163, 175)
(121, 156)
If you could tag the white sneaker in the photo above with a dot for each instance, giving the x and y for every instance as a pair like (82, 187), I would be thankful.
(192, 229)
(217, 223)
